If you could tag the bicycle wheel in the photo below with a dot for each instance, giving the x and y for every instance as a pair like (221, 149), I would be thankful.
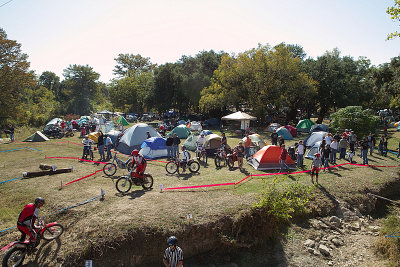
(194, 166)
(123, 184)
(53, 232)
(109, 169)
(171, 167)
(14, 257)
(91, 154)
(204, 157)
(217, 161)
(150, 181)
(230, 162)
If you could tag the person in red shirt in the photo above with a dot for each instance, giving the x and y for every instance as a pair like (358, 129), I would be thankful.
(282, 159)
(141, 164)
(27, 218)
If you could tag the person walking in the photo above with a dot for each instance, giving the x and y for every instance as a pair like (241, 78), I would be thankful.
(282, 159)
(175, 146)
(169, 143)
(301, 148)
(100, 146)
(364, 150)
(173, 255)
(343, 146)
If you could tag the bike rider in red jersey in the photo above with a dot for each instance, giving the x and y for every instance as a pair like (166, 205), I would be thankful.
(141, 164)
(27, 218)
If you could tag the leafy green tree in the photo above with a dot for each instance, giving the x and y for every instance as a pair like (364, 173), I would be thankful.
(51, 81)
(394, 12)
(361, 121)
(15, 79)
(39, 105)
(129, 65)
(81, 88)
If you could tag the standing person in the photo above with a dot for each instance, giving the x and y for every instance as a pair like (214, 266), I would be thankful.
(274, 138)
(343, 146)
(385, 145)
(328, 139)
(325, 156)
(381, 145)
(173, 255)
(109, 144)
(334, 149)
(281, 141)
(175, 146)
(370, 140)
(301, 148)
(100, 146)
(11, 131)
(352, 141)
(27, 218)
(224, 141)
(63, 125)
(169, 143)
(282, 159)
(240, 154)
(87, 145)
(247, 144)
(364, 150)
(315, 166)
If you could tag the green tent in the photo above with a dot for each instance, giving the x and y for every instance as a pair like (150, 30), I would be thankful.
(37, 137)
(123, 121)
(304, 125)
(182, 131)
(191, 142)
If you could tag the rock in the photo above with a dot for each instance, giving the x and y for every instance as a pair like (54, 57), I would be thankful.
(331, 237)
(324, 250)
(315, 252)
(330, 263)
(337, 242)
(309, 243)
(310, 250)
(358, 213)
(356, 226)
(374, 228)
(334, 219)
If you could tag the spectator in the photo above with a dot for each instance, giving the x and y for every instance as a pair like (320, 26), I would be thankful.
(224, 141)
(326, 151)
(100, 146)
(315, 166)
(11, 131)
(343, 146)
(175, 146)
(364, 150)
(301, 148)
(173, 255)
(240, 153)
(169, 143)
(334, 149)
(282, 159)
(381, 145)
(274, 138)
(247, 144)
(109, 145)
(281, 141)
(328, 139)
(337, 137)
(371, 141)
(352, 141)
(385, 145)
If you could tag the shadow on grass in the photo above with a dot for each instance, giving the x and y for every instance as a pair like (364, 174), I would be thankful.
(326, 193)
(44, 251)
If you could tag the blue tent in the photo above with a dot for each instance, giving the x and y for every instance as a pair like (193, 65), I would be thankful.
(282, 131)
(205, 132)
(154, 148)
(319, 128)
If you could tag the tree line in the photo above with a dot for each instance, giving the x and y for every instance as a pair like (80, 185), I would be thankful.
(267, 80)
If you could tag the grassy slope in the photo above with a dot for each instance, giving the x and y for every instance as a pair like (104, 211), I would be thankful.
(109, 219)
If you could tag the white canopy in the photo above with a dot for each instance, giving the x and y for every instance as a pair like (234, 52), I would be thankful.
(244, 118)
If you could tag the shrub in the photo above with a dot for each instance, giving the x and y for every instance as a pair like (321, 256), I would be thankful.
(390, 246)
(285, 200)
(362, 122)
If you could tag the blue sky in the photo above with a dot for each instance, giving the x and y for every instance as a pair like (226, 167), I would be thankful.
(57, 33)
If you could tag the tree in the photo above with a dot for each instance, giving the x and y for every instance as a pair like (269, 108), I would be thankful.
(361, 121)
(15, 79)
(394, 12)
(51, 81)
(129, 65)
(81, 88)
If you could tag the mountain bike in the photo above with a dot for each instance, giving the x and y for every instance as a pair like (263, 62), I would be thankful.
(110, 168)
(124, 183)
(174, 165)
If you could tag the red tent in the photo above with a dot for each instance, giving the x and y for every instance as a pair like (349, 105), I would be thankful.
(292, 130)
(267, 158)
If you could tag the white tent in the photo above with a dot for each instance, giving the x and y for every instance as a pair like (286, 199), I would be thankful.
(314, 137)
(54, 121)
(244, 119)
(314, 149)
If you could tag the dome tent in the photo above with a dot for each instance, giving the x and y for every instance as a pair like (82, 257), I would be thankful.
(267, 158)
(36, 137)
(314, 149)
(319, 128)
(134, 137)
(190, 142)
(154, 148)
(313, 138)
(181, 131)
(304, 125)
(272, 127)
(282, 131)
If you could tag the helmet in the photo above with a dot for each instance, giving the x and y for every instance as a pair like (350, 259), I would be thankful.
(172, 240)
(134, 152)
(317, 154)
(86, 136)
(39, 200)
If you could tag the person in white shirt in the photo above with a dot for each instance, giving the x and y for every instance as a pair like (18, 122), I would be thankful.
(185, 158)
(328, 139)
(87, 144)
(334, 149)
(108, 143)
(301, 148)
(201, 140)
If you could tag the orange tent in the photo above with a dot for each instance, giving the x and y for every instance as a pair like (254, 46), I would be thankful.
(267, 158)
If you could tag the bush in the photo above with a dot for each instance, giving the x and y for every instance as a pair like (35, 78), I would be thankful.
(285, 201)
(362, 122)
(390, 246)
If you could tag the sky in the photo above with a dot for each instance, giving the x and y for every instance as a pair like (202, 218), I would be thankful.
(58, 33)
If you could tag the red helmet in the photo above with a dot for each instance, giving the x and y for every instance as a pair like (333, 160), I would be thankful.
(134, 152)
(317, 155)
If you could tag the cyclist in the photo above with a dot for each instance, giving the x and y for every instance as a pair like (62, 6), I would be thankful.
(141, 164)
(315, 167)
(27, 218)
(87, 145)
(185, 158)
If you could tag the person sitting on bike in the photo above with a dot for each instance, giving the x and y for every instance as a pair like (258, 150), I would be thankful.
(185, 158)
(27, 218)
(87, 145)
(140, 162)
(200, 142)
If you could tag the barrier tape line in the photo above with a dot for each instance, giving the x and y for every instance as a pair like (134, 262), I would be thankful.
(392, 235)
(58, 211)
(82, 178)
(278, 173)
(20, 149)
(11, 180)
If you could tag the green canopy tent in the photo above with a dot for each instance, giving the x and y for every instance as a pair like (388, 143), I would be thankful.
(123, 121)
(304, 125)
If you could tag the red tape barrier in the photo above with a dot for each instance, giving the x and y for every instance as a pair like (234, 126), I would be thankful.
(278, 173)
(82, 178)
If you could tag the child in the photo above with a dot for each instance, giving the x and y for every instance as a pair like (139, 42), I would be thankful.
(315, 166)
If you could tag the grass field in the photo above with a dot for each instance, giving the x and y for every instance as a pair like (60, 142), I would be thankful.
(167, 211)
